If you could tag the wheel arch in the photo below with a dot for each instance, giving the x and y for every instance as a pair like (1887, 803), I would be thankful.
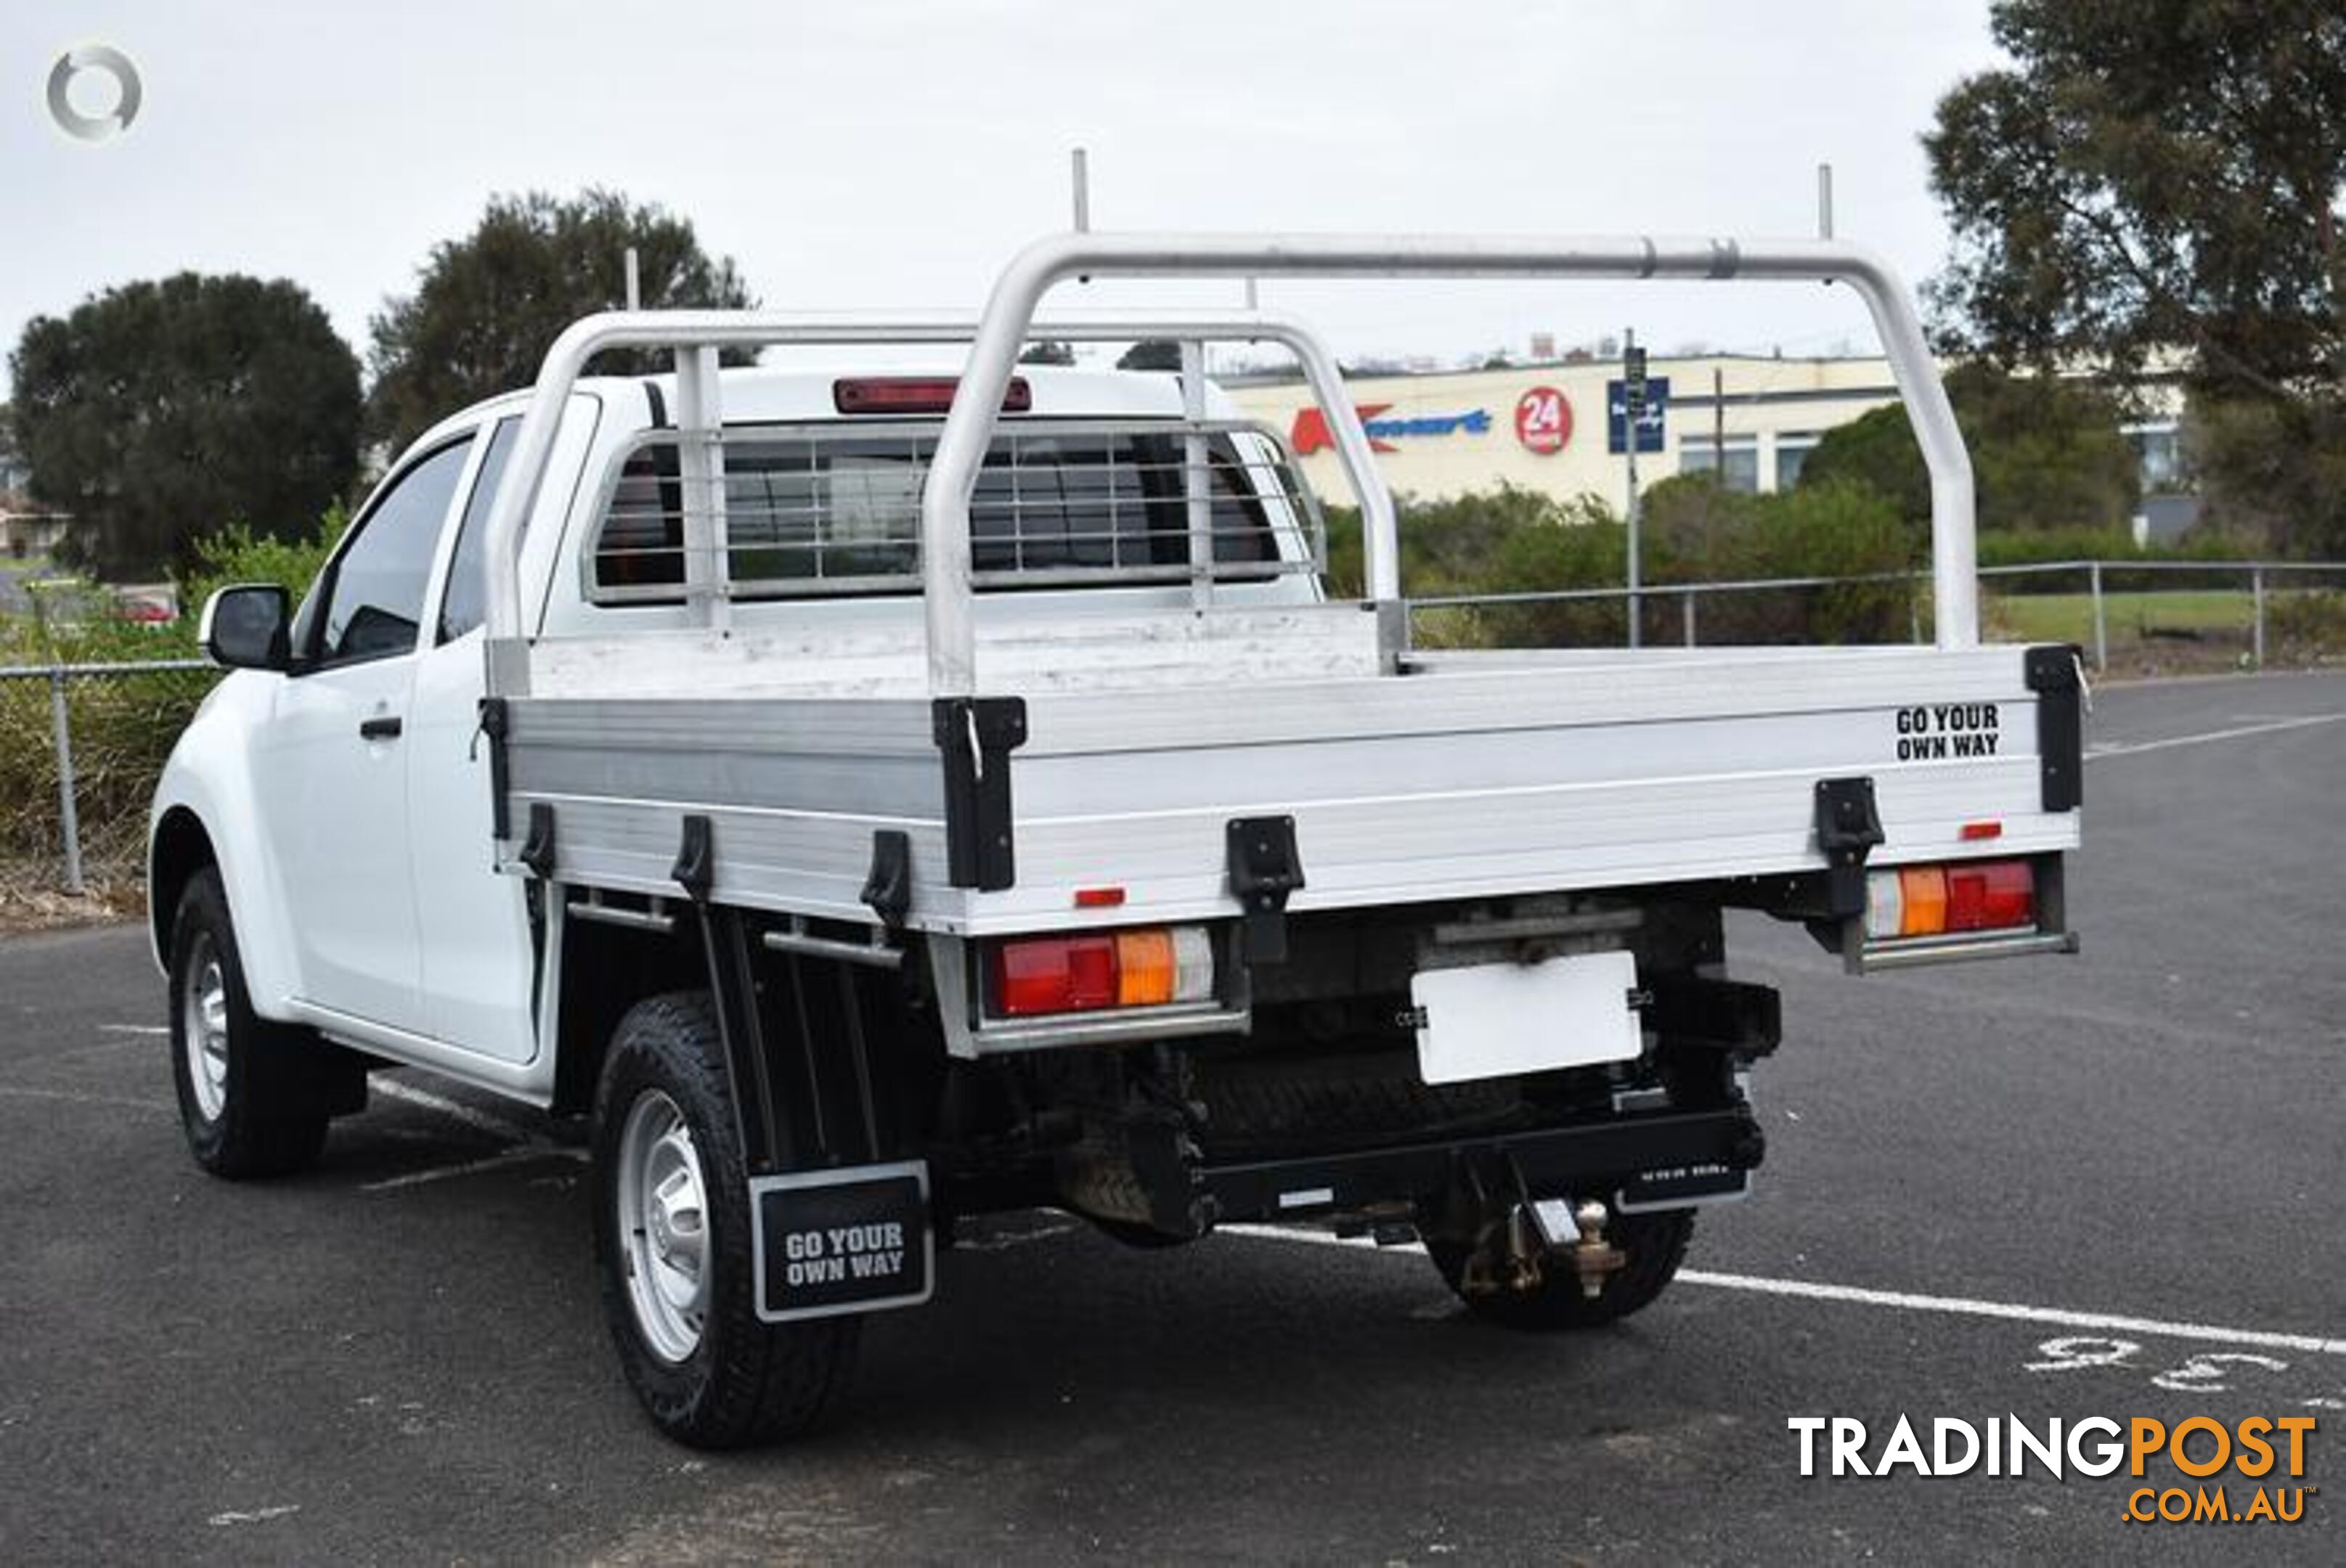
(179, 847)
(606, 970)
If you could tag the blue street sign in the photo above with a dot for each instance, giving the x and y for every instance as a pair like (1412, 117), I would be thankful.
(1649, 423)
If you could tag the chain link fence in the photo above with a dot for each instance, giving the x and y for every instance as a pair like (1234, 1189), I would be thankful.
(2138, 617)
(80, 748)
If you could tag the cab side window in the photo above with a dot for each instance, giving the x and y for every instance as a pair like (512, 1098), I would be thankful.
(374, 604)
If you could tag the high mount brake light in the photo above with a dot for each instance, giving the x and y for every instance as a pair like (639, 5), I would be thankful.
(1941, 900)
(916, 395)
(1151, 966)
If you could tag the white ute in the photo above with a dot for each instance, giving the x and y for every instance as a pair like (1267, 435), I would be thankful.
(881, 799)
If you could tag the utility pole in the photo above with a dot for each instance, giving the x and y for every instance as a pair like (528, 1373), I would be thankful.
(1719, 422)
(1633, 409)
(1080, 170)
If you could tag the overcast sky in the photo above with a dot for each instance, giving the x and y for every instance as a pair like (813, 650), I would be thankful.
(874, 153)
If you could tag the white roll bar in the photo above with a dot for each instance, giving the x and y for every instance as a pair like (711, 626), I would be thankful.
(687, 331)
(1010, 312)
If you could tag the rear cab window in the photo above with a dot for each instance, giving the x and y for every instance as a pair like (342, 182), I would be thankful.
(833, 509)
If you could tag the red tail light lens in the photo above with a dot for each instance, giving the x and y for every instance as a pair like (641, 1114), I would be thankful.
(1056, 974)
(1966, 895)
(916, 395)
(1991, 895)
(1146, 967)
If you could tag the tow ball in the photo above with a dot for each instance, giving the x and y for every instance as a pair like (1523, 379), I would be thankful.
(1593, 1258)
(1543, 1234)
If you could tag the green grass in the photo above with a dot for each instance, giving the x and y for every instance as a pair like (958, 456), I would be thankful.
(2069, 617)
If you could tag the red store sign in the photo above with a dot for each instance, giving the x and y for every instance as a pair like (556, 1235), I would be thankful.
(1544, 421)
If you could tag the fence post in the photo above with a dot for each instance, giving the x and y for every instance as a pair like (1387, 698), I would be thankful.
(2256, 591)
(68, 819)
(2101, 626)
(1686, 614)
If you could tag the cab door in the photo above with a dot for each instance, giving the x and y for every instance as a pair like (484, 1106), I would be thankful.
(332, 776)
(479, 962)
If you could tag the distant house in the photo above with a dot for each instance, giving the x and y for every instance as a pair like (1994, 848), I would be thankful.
(24, 531)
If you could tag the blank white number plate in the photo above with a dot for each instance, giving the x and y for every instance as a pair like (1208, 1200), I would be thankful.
(1496, 1020)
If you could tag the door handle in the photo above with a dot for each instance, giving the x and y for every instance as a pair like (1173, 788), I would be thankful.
(385, 728)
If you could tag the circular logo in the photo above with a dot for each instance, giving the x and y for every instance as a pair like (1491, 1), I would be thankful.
(104, 60)
(1542, 421)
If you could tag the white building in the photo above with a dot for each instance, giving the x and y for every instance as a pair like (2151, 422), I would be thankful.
(1556, 428)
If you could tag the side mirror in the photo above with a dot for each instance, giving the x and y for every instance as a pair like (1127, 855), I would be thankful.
(244, 627)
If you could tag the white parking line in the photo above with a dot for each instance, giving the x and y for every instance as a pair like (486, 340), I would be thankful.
(1897, 1300)
(25, 1092)
(2130, 748)
(473, 1167)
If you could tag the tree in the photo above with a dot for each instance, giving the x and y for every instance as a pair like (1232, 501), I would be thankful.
(1048, 353)
(2045, 452)
(1151, 354)
(2161, 180)
(486, 307)
(159, 411)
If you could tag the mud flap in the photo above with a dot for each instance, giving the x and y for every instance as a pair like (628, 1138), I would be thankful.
(856, 1239)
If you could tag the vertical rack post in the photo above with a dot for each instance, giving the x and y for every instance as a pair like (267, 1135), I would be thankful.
(1197, 479)
(700, 470)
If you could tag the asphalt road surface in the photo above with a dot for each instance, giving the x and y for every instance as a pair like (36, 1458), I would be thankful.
(2109, 1185)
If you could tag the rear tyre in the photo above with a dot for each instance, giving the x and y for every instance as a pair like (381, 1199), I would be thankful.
(1653, 1245)
(673, 1246)
(254, 1096)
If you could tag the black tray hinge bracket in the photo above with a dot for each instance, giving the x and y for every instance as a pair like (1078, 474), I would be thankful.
(1264, 868)
(2056, 674)
(696, 859)
(978, 735)
(495, 720)
(537, 846)
(888, 890)
(1848, 827)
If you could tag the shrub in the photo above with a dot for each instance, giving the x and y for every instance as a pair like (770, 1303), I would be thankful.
(1693, 531)
(2308, 623)
(1829, 530)
(236, 555)
(123, 724)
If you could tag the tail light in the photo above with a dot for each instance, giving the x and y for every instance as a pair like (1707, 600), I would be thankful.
(916, 395)
(1939, 900)
(1149, 966)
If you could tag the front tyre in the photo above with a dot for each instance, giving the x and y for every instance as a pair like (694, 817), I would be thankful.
(1653, 1246)
(254, 1096)
(673, 1246)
